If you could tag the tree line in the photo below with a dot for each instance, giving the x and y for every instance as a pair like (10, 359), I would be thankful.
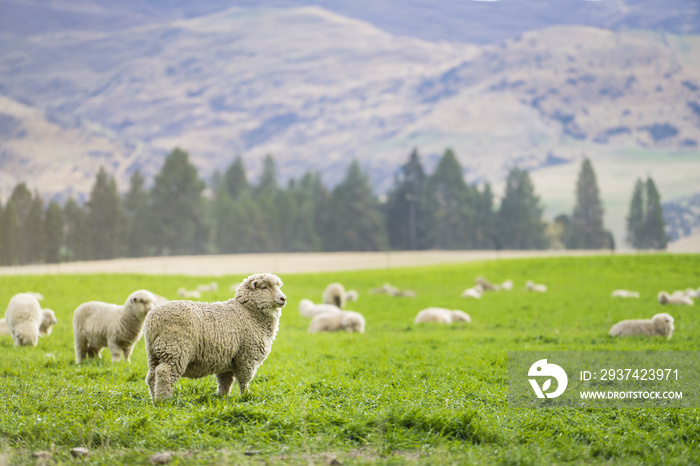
(176, 216)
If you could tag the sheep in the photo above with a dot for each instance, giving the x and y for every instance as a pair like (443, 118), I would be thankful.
(183, 293)
(664, 298)
(352, 295)
(23, 318)
(209, 287)
(507, 285)
(473, 292)
(309, 310)
(486, 285)
(404, 293)
(442, 316)
(384, 289)
(530, 286)
(335, 294)
(625, 294)
(48, 320)
(348, 321)
(659, 325)
(228, 339)
(687, 293)
(97, 325)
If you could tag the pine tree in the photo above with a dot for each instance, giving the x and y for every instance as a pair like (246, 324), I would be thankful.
(78, 235)
(587, 231)
(21, 199)
(9, 233)
(53, 227)
(520, 222)
(635, 218)
(485, 220)
(235, 179)
(35, 235)
(177, 208)
(105, 217)
(355, 222)
(138, 221)
(654, 225)
(408, 219)
(452, 204)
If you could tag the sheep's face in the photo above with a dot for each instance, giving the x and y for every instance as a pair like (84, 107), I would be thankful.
(141, 302)
(665, 321)
(460, 316)
(48, 321)
(353, 323)
(264, 290)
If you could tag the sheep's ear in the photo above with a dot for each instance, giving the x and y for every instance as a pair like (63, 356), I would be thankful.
(253, 284)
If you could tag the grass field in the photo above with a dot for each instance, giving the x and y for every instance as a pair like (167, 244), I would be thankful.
(399, 393)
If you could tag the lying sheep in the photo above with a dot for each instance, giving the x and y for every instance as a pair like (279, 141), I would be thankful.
(404, 293)
(441, 316)
(659, 325)
(687, 293)
(625, 294)
(335, 294)
(183, 293)
(384, 289)
(507, 285)
(229, 339)
(665, 298)
(208, 288)
(530, 286)
(47, 322)
(309, 310)
(347, 321)
(97, 325)
(473, 292)
(23, 318)
(486, 285)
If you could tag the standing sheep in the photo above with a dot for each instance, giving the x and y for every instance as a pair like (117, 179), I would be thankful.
(23, 318)
(309, 310)
(442, 316)
(97, 325)
(659, 325)
(48, 320)
(229, 339)
(348, 321)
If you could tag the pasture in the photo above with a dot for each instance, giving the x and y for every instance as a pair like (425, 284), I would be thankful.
(400, 393)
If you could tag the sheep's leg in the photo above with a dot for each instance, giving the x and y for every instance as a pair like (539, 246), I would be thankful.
(127, 353)
(81, 349)
(116, 351)
(92, 352)
(225, 380)
(244, 376)
(151, 380)
(165, 377)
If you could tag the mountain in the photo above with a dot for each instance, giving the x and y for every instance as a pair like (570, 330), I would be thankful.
(91, 83)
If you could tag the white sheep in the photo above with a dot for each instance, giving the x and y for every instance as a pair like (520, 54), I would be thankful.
(665, 298)
(687, 293)
(309, 310)
(486, 285)
(403, 293)
(4, 329)
(659, 325)
(352, 295)
(531, 286)
(23, 318)
(183, 293)
(624, 294)
(47, 322)
(348, 321)
(208, 288)
(507, 285)
(473, 292)
(385, 289)
(441, 316)
(97, 325)
(335, 294)
(229, 339)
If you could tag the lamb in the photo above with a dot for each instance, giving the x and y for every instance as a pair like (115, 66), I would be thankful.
(335, 294)
(442, 316)
(183, 293)
(625, 294)
(209, 287)
(659, 325)
(664, 298)
(309, 310)
(473, 292)
(48, 321)
(348, 321)
(23, 318)
(229, 339)
(530, 286)
(97, 325)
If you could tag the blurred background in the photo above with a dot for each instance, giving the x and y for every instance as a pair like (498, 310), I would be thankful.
(141, 128)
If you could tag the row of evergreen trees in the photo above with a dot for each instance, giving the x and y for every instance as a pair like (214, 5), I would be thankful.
(422, 211)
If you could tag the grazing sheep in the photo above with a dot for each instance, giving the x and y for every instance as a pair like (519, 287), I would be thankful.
(23, 318)
(183, 293)
(507, 285)
(441, 316)
(229, 339)
(486, 285)
(664, 298)
(208, 288)
(335, 294)
(309, 310)
(97, 325)
(47, 322)
(659, 325)
(473, 292)
(625, 294)
(530, 286)
(385, 289)
(348, 321)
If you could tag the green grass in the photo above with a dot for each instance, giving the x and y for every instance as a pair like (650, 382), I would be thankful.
(399, 393)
